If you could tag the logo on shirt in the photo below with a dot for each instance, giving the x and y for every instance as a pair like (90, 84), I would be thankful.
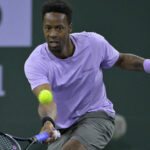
(87, 70)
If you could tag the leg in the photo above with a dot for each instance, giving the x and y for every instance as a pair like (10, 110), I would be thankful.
(94, 130)
(120, 127)
(73, 145)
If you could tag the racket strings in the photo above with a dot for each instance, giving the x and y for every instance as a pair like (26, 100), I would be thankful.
(7, 144)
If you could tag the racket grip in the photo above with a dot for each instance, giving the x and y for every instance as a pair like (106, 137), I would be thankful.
(45, 135)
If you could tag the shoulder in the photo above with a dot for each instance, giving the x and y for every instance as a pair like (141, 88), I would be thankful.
(37, 53)
(36, 58)
(88, 36)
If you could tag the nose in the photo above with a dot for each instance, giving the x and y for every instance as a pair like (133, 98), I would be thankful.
(53, 33)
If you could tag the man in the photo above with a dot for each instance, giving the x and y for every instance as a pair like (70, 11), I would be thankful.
(70, 65)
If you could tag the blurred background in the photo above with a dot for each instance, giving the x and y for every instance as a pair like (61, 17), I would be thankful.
(124, 23)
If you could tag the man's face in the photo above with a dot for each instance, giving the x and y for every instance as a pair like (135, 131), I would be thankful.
(56, 31)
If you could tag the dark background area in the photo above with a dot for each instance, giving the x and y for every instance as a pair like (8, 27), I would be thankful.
(125, 24)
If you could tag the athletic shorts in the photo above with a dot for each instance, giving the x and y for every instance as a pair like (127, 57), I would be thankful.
(94, 130)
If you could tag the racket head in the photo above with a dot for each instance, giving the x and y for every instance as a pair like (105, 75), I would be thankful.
(7, 142)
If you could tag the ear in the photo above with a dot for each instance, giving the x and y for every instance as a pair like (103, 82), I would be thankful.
(70, 27)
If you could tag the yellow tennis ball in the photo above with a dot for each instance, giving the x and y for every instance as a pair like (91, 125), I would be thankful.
(45, 97)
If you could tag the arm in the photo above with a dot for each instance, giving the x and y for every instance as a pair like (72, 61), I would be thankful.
(130, 62)
(44, 110)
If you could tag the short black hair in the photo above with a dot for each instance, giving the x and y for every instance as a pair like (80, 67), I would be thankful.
(61, 6)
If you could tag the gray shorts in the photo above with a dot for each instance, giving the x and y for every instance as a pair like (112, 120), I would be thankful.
(94, 130)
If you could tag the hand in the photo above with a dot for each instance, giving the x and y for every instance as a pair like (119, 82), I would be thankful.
(48, 127)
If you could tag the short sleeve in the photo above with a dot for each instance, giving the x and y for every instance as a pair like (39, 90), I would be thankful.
(110, 55)
(35, 73)
(105, 54)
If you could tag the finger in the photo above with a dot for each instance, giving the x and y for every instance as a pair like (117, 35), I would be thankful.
(49, 140)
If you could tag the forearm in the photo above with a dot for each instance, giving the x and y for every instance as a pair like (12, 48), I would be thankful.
(49, 110)
(46, 109)
(130, 62)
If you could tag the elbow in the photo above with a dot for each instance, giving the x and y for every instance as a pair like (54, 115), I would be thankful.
(120, 60)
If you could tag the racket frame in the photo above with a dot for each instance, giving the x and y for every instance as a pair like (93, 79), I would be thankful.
(12, 139)
(30, 141)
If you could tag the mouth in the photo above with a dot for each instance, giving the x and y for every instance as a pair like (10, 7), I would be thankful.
(53, 43)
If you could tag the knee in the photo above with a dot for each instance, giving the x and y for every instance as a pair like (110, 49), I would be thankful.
(73, 145)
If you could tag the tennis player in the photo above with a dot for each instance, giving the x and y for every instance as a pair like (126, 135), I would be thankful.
(70, 65)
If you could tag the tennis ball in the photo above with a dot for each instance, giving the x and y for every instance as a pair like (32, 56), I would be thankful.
(45, 97)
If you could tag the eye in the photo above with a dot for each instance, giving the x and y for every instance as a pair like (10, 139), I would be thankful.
(59, 28)
(47, 27)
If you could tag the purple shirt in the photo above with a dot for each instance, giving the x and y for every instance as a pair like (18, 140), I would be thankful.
(77, 81)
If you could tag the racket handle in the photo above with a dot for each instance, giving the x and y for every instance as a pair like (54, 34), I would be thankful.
(45, 135)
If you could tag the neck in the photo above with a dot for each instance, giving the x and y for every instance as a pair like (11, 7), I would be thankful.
(67, 51)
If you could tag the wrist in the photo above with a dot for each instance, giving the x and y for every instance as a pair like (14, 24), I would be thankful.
(45, 119)
(146, 65)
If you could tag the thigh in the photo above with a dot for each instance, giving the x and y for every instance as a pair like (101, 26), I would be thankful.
(94, 133)
(73, 145)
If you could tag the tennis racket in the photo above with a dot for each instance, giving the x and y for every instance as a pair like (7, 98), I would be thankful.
(9, 142)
